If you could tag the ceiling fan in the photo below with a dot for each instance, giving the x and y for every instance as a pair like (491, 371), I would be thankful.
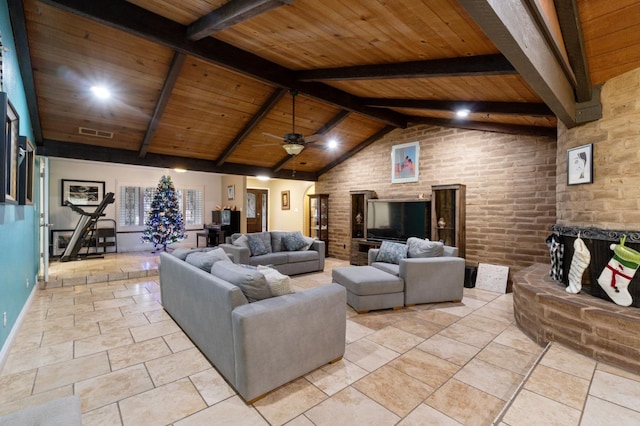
(294, 142)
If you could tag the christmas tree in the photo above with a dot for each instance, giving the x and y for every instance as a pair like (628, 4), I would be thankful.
(164, 224)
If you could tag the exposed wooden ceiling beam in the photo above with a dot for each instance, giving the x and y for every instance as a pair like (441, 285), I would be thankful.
(229, 14)
(448, 67)
(132, 19)
(163, 99)
(569, 20)
(362, 145)
(511, 29)
(514, 129)
(337, 119)
(19, 26)
(52, 148)
(518, 108)
(262, 112)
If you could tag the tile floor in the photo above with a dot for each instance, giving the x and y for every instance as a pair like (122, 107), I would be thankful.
(108, 340)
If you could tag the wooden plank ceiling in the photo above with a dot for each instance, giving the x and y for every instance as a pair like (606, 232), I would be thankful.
(185, 95)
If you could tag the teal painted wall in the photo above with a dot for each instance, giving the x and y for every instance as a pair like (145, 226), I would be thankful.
(18, 224)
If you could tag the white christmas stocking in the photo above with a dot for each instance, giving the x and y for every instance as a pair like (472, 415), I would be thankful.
(579, 262)
(615, 277)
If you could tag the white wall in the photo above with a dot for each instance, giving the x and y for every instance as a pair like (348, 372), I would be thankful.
(117, 174)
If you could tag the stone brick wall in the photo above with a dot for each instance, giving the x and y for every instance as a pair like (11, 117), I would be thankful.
(613, 200)
(511, 199)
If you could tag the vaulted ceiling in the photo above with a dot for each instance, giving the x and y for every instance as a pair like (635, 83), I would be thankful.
(197, 83)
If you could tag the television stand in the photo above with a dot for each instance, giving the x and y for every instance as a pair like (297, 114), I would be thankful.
(360, 250)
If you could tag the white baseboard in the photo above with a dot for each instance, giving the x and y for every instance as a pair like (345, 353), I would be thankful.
(4, 352)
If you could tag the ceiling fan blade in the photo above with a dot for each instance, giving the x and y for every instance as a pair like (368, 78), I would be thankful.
(273, 136)
(313, 138)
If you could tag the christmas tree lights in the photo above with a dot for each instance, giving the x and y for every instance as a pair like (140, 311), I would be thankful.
(164, 225)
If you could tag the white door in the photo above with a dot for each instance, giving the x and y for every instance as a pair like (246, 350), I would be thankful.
(43, 270)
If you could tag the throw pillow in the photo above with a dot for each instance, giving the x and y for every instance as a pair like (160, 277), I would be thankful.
(294, 241)
(206, 259)
(182, 253)
(276, 241)
(251, 281)
(258, 244)
(309, 241)
(241, 241)
(279, 284)
(417, 247)
(391, 252)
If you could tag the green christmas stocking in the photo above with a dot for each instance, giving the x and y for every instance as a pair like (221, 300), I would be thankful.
(620, 270)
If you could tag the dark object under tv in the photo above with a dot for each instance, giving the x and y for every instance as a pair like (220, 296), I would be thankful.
(397, 220)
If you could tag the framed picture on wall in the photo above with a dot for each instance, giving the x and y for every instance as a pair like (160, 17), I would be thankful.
(285, 202)
(9, 152)
(82, 192)
(231, 192)
(580, 165)
(404, 162)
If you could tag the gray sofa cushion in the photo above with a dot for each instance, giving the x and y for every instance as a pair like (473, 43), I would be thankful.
(205, 259)
(241, 241)
(301, 256)
(182, 253)
(252, 283)
(294, 241)
(259, 243)
(276, 241)
(417, 247)
(269, 259)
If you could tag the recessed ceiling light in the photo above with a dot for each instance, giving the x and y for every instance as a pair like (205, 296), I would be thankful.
(101, 92)
(179, 170)
(333, 144)
(263, 178)
(462, 113)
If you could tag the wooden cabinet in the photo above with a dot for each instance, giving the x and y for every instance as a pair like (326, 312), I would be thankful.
(358, 219)
(448, 215)
(319, 218)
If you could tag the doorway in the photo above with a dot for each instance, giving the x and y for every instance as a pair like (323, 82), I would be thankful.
(257, 210)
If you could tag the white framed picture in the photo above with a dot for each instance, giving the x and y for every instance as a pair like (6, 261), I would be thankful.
(580, 165)
(404, 162)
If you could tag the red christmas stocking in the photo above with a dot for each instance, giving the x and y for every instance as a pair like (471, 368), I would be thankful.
(620, 270)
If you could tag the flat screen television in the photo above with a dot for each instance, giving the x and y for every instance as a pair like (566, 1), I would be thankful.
(397, 220)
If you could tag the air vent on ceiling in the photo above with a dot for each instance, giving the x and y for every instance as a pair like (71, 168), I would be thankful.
(95, 133)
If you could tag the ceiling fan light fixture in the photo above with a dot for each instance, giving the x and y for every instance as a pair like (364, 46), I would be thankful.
(293, 148)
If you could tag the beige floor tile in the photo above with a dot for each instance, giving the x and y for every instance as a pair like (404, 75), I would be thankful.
(425, 415)
(26, 341)
(102, 342)
(289, 401)
(232, 411)
(429, 369)
(569, 361)
(394, 390)
(356, 331)
(373, 320)
(532, 409)
(212, 386)
(503, 303)
(176, 366)
(559, 386)
(616, 389)
(369, 355)
(301, 420)
(495, 314)
(115, 303)
(418, 326)
(137, 353)
(458, 309)
(468, 335)
(113, 387)
(68, 372)
(126, 322)
(33, 400)
(146, 332)
(448, 349)
(466, 404)
(473, 302)
(437, 317)
(512, 359)
(81, 331)
(493, 380)
(16, 386)
(395, 339)
(131, 290)
(483, 323)
(147, 298)
(481, 294)
(98, 316)
(105, 416)
(350, 407)
(162, 405)
(617, 371)
(515, 338)
(598, 412)
(140, 307)
(178, 342)
(39, 326)
(90, 298)
(157, 315)
(61, 311)
(34, 358)
(332, 378)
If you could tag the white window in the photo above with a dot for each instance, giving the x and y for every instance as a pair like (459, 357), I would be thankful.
(135, 203)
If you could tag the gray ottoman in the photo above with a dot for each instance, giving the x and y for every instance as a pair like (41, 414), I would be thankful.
(369, 288)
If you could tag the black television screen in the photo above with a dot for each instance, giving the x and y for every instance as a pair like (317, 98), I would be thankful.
(397, 220)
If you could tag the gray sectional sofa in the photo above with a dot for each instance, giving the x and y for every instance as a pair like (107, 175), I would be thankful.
(256, 346)
(309, 258)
